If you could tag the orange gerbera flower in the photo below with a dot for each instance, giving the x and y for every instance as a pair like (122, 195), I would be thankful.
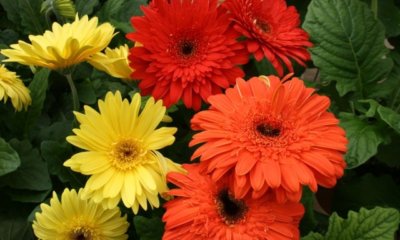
(205, 210)
(272, 30)
(265, 134)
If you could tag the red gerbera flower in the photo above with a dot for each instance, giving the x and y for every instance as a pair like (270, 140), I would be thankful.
(265, 134)
(189, 51)
(272, 30)
(205, 210)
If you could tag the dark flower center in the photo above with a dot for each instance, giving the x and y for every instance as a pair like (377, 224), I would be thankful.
(230, 209)
(187, 48)
(81, 234)
(262, 25)
(268, 130)
(125, 151)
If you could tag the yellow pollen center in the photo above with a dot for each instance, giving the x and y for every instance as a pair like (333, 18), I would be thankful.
(126, 153)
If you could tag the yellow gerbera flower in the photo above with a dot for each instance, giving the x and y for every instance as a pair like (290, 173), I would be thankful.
(75, 218)
(114, 62)
(64, 46)
(12, 87)
(121, 151)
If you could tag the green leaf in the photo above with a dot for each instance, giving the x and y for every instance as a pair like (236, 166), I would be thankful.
(31, 18)
(55, 154)
(390, 117)
(15, 228)
(8, 36)
(126, 27)
(28, 196)
(349, 44)
(308, 222)
(364, 139)
(376, 224)
(38, 88)
(367, 191)
(13, 220)
(389, 14)
(149, 228)
(32, 174)
(388, 89)
(313, 236)
(390, 153)
(131, 8)
(85, 7)
(264, 67)
(121, 20)
(11, 7)
(109, 9)
(9, 159)
(387, 115)
(57, 131)
(86, 92)
(31, 216)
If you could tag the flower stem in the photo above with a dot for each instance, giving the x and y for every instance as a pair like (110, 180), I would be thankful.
(395, 99)
(374, 8)
(75, 98)
(397, 109)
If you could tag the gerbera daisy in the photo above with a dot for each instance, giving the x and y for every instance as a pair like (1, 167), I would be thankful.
(189, 51)
(12, 87)
(73, 218)
(121, 151)
(205, 210)
(64, 46)
(113, 61)
(265, 134)
(272, 30)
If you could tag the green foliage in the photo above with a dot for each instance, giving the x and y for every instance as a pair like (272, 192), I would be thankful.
(32, 20)
(38, 89)
(86, 92)
(110, 9)
(309, 221)
(148, 228)
(349, 46)
(32, 174)
(8, 36)
(364, 139)
(12, 228)
(9, 159)
(119, 13)
(375, 224)
(390, 153)
(313, 236)
(389, 14)
(55, 154)
(368, 191)
(13, 224)
(12, 10)
(25, 15)
(85, 7)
